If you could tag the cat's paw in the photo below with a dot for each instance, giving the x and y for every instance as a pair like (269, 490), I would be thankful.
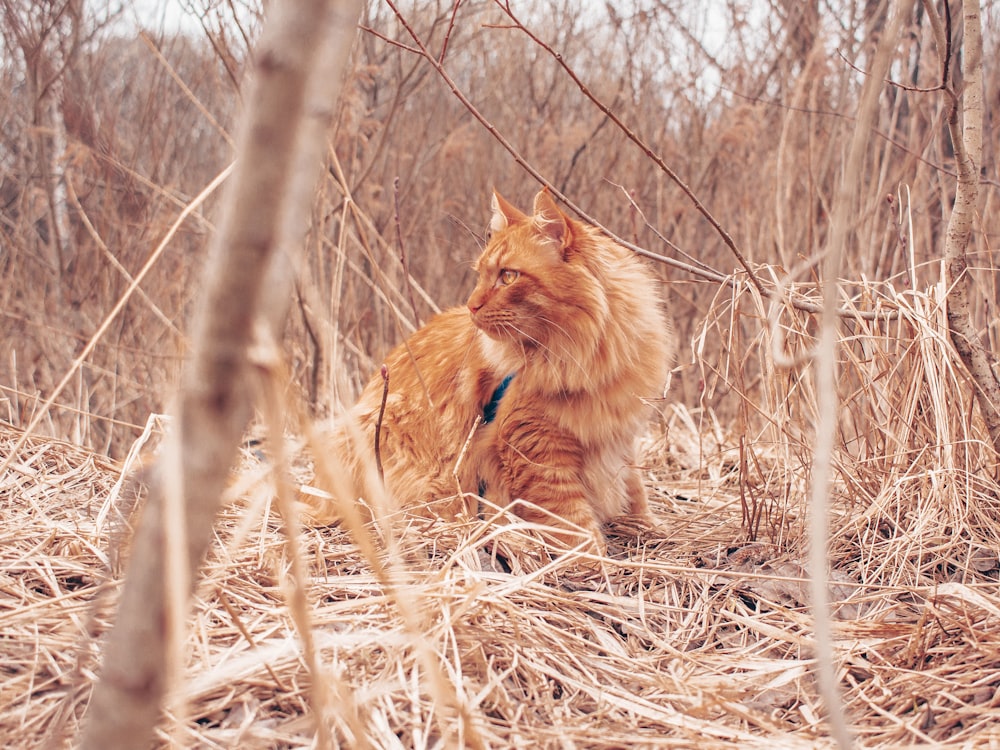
(316, 508)
(580, 555)
(635, 526)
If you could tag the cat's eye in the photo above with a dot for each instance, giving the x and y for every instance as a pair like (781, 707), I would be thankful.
(508, 276)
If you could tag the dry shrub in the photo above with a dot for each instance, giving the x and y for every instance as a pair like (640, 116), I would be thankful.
(914, 458)
(410, 173)
(697, 631)
(691, 632)
(137, 150)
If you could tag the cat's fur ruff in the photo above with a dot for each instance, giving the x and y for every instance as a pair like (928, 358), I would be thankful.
(579, 321)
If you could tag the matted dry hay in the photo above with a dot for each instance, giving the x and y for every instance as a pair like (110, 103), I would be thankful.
(693, 634)
(686, 637)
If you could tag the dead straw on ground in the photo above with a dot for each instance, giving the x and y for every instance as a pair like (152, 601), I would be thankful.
(694, 633)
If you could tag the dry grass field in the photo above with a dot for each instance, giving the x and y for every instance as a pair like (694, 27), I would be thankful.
(692, 635)
(731, 148)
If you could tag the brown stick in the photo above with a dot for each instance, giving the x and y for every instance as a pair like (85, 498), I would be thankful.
(378, 425)
(214, 402)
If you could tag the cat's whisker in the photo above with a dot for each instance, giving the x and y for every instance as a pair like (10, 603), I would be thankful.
(569, 355)
(550, 355)
(523, 336)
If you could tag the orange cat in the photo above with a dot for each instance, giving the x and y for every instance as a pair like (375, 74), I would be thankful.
(563, 340)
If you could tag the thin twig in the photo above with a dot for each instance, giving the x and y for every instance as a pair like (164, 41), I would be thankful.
(421, 50)
(274, 384)
(656, 231)
(643, 146)
(384, 372)
(461, 454)
(447, 33)
(402, 251)
(172, 72)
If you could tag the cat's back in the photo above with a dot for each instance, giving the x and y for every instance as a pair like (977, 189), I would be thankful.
(438, 382)
(433, 359)
(438, 364)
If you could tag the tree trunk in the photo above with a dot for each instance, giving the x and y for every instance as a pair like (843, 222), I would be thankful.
(965, 124)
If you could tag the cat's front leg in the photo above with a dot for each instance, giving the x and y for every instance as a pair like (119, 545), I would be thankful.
(638, 498)
(568, 529)
(540, 463)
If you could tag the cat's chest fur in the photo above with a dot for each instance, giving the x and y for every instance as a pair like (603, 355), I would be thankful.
(536, 442)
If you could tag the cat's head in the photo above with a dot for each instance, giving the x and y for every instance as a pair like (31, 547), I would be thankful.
(534, 286)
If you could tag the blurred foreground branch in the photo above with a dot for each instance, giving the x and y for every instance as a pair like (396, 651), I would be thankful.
(825, 366)
(301, 56)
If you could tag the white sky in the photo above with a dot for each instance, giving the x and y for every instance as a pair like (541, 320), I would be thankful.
(170, 15)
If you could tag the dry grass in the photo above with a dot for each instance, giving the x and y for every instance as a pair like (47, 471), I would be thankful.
(693, 633)
(696, 633)
(764, 154)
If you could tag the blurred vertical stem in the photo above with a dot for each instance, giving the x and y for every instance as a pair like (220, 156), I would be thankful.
(965, 125)
(841, 223)
(299, 65)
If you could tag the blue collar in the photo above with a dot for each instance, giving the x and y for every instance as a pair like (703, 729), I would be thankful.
(490, 410)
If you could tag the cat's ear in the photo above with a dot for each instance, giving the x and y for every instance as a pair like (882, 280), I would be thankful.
(550, 221)
(504, 214)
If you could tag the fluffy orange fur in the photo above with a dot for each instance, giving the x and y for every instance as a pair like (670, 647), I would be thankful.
(579, 322)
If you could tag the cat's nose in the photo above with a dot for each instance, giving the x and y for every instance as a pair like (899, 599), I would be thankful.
(475, 303)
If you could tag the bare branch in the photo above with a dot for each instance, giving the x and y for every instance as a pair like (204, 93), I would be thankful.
(698, 271)
(378, 423)
(421, 49)
(644, 147)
